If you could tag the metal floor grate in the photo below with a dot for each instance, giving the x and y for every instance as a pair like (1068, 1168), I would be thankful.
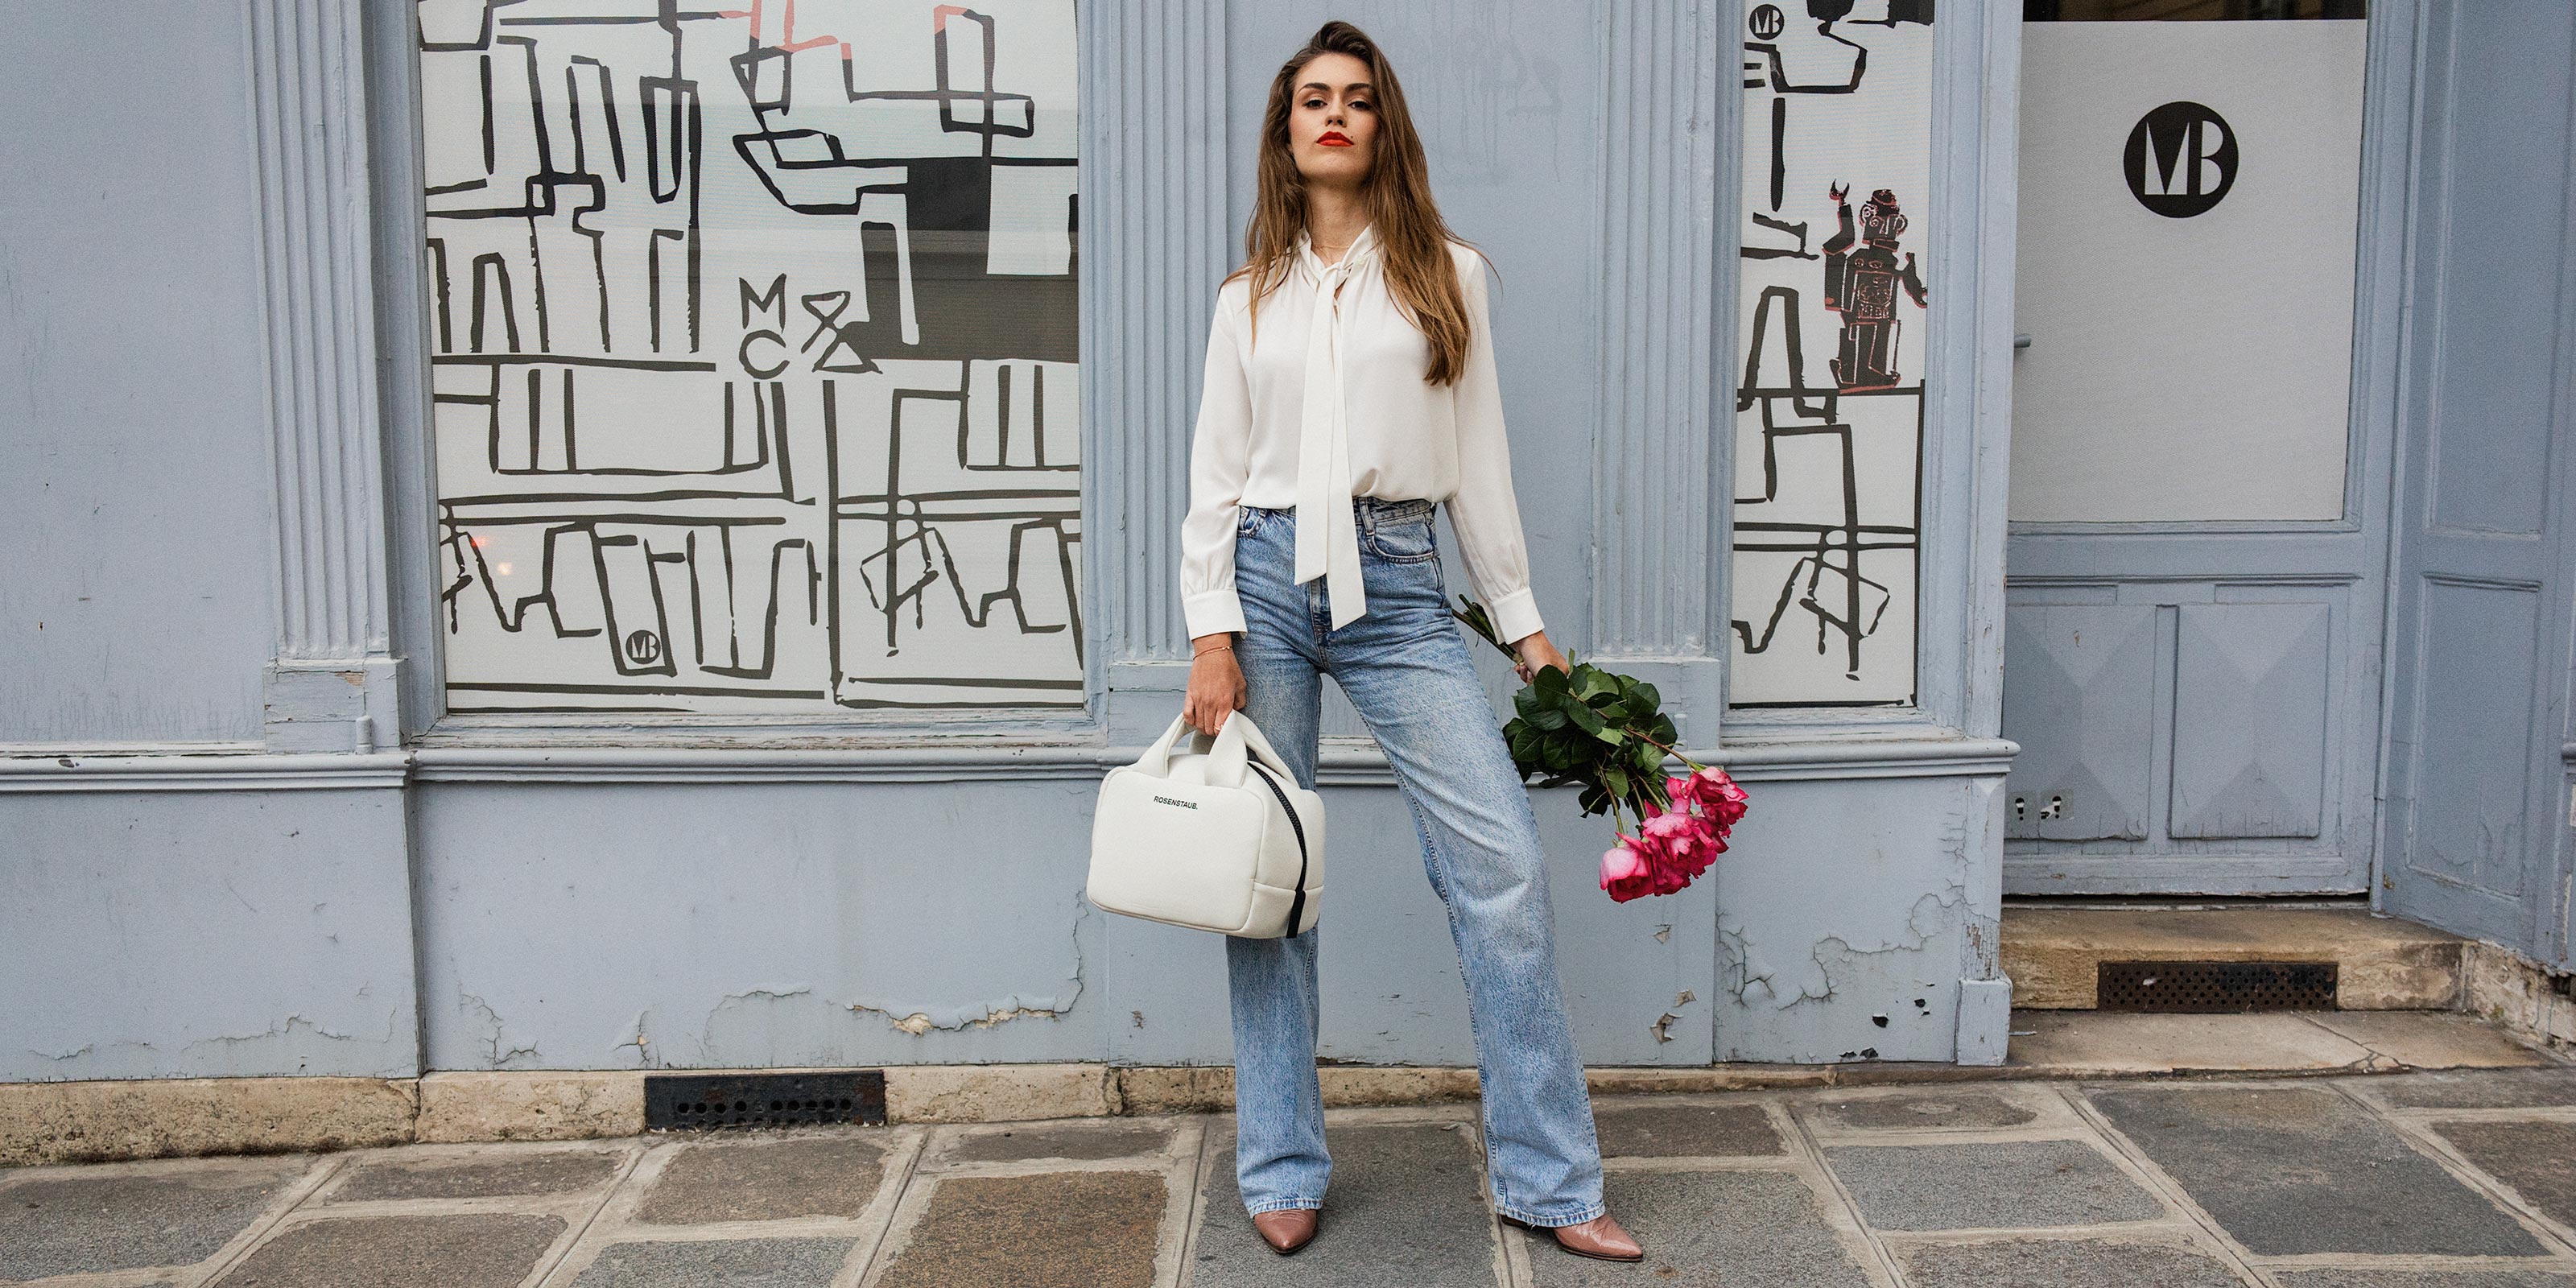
(2209, 988)
(708, 1100)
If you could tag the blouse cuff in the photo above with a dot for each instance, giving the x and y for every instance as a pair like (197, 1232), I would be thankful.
(1515, 615)
(1212, 612)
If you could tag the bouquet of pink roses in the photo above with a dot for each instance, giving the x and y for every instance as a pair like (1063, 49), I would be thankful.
(1606, 733)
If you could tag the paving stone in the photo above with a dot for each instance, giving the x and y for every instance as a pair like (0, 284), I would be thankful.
(722, 1263)
(1664, 1130)
(2340, 1278)
(2008, 1185)
(2501, 1089)
(2057, 1263)
(482, 1176)
(81, 1224)
(1932, 1111)
(1058, 1230)
(1079, 1141)
(486, 1251)
(1405, 1210)
(2292, 1170)
(1707, 1228)
(2537, 1159)
(767, 1179)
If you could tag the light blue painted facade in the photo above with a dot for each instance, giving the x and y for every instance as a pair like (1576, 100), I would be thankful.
(239, 835)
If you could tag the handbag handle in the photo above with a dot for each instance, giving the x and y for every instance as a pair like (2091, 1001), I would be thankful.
(1157, 760)
(1235, 741)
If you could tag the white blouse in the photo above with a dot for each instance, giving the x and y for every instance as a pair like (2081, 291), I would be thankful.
(1336, 333)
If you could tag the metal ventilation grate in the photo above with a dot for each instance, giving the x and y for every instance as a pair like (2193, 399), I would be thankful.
(707, 1100)
(2206, 988)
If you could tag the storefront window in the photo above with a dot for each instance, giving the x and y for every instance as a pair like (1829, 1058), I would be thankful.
(753, 354)
(2188, 10)
(1833, 316)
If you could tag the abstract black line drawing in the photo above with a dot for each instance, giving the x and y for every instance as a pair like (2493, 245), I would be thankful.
(754, 338)
(1827, 424)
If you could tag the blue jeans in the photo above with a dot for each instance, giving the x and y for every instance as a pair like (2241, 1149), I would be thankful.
(1406, 668)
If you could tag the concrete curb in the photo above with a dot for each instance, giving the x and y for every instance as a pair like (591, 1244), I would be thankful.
(89, 1122)
(98, 1122)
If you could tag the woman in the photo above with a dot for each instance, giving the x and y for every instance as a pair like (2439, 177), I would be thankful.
(1350, 385)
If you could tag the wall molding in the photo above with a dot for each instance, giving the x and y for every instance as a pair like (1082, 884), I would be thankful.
(309, 109)
(1967, 445)
(1343, 762)
(211, 772)
(1153, 245)
(1661, 445)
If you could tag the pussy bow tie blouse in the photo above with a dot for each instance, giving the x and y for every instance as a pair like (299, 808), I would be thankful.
(1331, 404)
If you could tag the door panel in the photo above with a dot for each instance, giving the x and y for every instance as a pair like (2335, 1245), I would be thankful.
(2250, 756)
(2476, 664)
(2083, 685)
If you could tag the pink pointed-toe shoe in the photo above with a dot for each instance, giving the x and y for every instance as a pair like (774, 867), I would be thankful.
(1286, 1229)
(1599, 1237)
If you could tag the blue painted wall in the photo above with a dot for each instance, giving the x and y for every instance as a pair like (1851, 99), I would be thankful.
(206, 934)
(133, 409)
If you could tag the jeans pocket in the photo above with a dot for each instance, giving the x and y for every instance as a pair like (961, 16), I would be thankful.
(1246, 521)
(1408, 541)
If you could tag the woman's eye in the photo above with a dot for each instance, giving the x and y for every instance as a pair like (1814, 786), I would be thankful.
(1360, 103)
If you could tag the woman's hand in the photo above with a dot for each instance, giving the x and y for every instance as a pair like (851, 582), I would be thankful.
(1216, 684)
(1535, 651)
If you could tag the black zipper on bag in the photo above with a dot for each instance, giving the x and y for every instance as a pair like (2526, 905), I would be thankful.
(1297, 905)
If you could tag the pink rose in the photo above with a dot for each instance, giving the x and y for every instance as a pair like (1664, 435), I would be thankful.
(1629, 870)
(1719, 795)
(1619, 863)
(1683, 837)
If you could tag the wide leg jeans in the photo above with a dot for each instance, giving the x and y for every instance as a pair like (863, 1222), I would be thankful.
(1406, 668)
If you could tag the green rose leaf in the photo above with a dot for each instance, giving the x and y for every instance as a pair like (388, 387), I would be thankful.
(1583, 717)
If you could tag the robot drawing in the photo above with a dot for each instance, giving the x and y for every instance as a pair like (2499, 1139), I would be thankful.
(1861, 285)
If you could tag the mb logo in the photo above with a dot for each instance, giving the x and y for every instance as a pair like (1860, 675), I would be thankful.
(2181, 159)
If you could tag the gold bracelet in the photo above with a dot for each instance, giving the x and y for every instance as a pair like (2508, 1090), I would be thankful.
(1221, 648)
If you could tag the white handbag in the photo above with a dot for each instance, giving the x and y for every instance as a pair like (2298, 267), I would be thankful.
(1216, 837)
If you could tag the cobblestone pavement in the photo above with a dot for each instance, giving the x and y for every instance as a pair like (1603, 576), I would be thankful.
(2414, 1180)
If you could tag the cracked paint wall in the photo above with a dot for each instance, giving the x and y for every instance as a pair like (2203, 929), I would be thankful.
(664, 926)
(205, 934)
(578, 927)
(653, 926)
(1848, 913)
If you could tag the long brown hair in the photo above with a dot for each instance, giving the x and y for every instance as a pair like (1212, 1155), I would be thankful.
(1413, 240)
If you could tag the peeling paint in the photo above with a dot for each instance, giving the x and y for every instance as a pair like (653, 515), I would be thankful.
(286, 1028)
(918, 1020)
(642, 1042)
(956, 1019)
(497, 1057)
(1662, 1027)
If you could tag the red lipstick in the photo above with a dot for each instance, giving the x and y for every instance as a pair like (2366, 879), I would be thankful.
(1333, 139)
